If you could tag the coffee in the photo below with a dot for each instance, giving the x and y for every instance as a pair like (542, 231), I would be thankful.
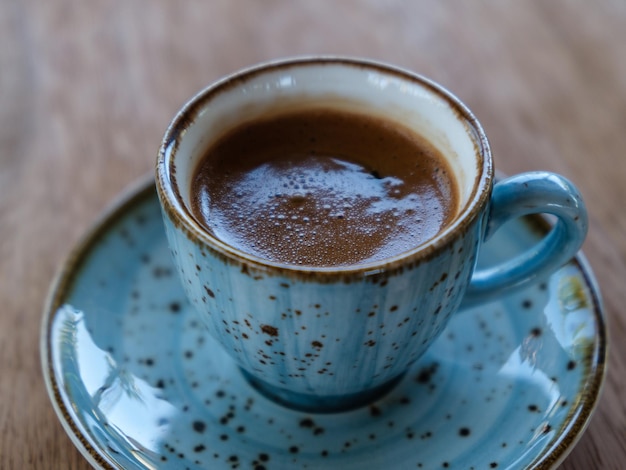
(323, 187)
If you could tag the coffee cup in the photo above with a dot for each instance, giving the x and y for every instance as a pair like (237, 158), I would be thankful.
(327, 337)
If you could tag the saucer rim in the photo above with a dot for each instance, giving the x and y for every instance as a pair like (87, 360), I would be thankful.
(144, 188)
(62, 282)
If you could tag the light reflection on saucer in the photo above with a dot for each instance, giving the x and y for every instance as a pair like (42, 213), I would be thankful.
(137, 382)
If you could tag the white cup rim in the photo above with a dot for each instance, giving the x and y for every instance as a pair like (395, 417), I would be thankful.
(180, 215)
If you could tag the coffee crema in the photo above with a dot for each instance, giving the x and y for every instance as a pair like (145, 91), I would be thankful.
(322, 188)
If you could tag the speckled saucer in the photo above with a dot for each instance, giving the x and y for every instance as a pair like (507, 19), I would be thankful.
(137, 383)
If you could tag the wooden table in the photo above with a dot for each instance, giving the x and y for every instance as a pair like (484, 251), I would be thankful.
(88, 88)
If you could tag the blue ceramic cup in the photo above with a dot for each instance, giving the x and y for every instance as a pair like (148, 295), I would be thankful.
(332, 338)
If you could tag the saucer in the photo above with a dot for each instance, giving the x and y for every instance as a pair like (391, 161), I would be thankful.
(137, 383)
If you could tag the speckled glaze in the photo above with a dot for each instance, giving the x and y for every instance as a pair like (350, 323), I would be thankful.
(329, 339)
(138, 383)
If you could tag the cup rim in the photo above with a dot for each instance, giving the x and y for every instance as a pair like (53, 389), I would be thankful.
(179, 214)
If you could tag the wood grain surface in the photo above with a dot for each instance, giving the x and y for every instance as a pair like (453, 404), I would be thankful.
(87, 89)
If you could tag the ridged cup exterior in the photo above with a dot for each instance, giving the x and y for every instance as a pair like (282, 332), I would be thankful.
(312, 335)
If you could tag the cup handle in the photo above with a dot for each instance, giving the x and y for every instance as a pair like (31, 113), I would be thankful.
(523, 194)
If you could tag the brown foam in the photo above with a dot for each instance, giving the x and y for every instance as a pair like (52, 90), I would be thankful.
(323, 188)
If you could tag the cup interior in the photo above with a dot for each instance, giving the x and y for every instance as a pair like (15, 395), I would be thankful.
(392, 94)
